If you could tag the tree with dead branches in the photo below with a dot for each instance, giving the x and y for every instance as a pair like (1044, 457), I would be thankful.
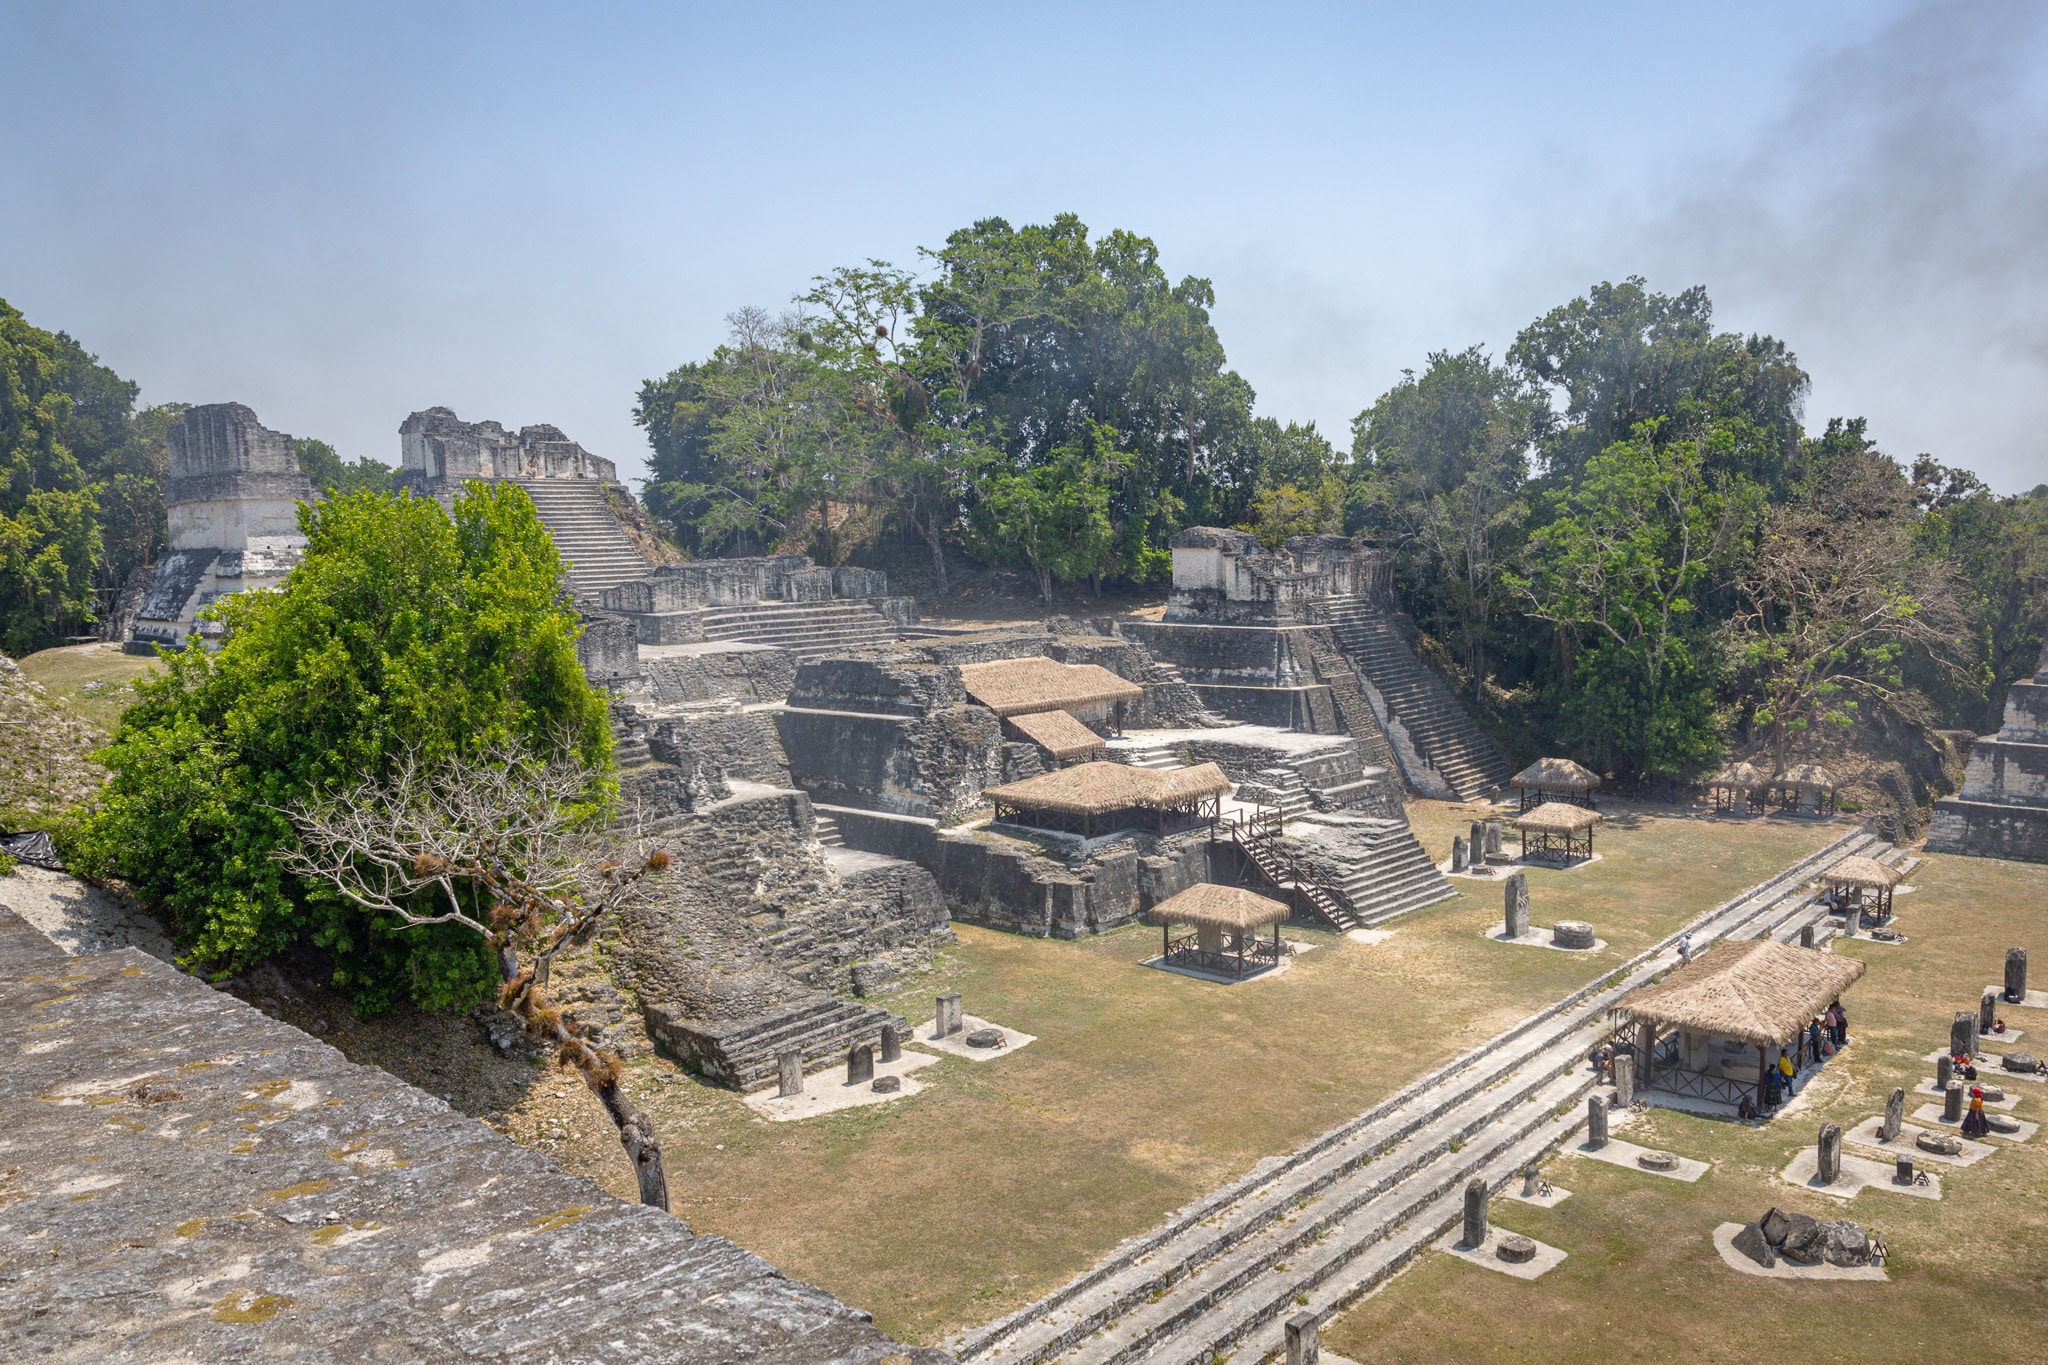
(1834, 596)
(507, 844)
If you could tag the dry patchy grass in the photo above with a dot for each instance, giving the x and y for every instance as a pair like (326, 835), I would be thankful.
(1643, 1281)
(93, 682)
(1144, 1091)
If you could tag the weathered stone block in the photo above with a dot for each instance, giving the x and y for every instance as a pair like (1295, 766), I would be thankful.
(1572, 933)
(1596, 1122)
(1751, 1243)
(1515, 897)
(1894, 1116)
(860, 1063)
(1303, 1346)
(1962, 1034)
(1458, 860)
(1952, 1102)
(950, 1016)
(790, 1072)
(1830, 1166)
(2016, 974)
(1476, 1197)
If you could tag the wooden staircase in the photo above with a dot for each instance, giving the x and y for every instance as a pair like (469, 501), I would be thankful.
(1257, 836)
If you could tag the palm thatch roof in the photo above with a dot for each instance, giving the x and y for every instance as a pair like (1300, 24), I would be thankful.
(1807, 777)
(1059, 734)
(1557, 817)
(1759, 991)
(1743, 776)
(1207, 905)
(1556, 775)
(1092, 788)
(1867, 872)
(1014, 687)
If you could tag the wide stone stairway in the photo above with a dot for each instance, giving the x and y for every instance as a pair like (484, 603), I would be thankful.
(1394, 876)
(809, 630)
(586, 533)
(1441, 729)
(1317, 1229)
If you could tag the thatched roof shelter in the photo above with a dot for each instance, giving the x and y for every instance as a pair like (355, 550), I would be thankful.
(1867, 873)
(1556, 832)
(1556, 775)
(1104, 796)
(1015, 687)
(1809, 777)
(1059, 734)
(1759, 991)
(1229, 908)
(1744, 776)
(1555, 817)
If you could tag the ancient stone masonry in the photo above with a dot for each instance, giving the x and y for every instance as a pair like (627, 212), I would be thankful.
(2002, 810)
(898, 737)
(232, 499)
(224, 1187)
(782, 600)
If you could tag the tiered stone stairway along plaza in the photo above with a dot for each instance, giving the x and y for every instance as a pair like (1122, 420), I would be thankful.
(1316, 1230)
(586, 533)
(809, 630)
(1438, 724)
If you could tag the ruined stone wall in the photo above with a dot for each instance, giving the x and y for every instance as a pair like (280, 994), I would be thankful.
(750, 674)
(1013, 884)
(890, 735)
(722, 737)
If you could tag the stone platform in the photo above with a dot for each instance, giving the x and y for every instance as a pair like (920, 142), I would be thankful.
(2002, 809)
(191, 1180)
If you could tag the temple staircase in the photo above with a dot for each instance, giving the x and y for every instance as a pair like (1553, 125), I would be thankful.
(586, 534)
(809, 630)
(1354, 712)
(1441, 729)
(1395, 876)
(747, 1053)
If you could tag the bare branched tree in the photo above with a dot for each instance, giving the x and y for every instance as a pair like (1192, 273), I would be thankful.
(504, 845)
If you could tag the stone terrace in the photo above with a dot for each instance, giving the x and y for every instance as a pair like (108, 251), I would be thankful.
(184, 1178)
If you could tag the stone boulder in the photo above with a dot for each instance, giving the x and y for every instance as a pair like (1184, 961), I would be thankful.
(2002, 1123)
(1752, 1243)
(1775, 1225)
(1992, 1093)
(985, 1037)
(1941, 1144)
(1847, 1244)
(1805, 1241)
(1657, 1161)
(1515, 1248)
(2019, 1061)
(887, 1085)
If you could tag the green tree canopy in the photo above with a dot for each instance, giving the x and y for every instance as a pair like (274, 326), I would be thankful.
(404, 630)
(332, 475)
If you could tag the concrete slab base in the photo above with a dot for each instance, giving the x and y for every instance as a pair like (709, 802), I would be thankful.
(1487, 1254)
(926, 1035)
(1864, 1134)
(1858, 1174)
(1558, 1194)
(2036, 1000)
(1538, 864)
(1367, 937)
(1930, 1115)
(1537, 938)
(827, 1092)
(1724, 1242)
(1224, 978)
(1990, 1070)
(1619, 1153)
(1930, 1088)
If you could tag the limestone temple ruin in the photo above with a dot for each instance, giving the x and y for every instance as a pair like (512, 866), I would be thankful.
(847, 782)
(2002, 810)
(232, 498)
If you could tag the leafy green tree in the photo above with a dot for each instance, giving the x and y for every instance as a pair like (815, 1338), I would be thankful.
(404, 632)
(1617, 571)
(1054, 517)
(1623, 355)
(1279, 514)
(677, 414)
(1441, 462)
(334, 476)
(1997, 551)
(49, 530)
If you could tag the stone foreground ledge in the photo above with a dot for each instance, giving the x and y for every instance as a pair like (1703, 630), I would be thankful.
(184, 1178)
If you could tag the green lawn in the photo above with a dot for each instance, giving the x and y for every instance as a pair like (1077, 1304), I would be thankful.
(1642, 1280)
(1144, 1091)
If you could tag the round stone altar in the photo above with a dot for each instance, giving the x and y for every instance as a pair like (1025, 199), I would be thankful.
(1572, 933)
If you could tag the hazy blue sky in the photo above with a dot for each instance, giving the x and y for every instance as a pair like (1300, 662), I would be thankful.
(340, 213)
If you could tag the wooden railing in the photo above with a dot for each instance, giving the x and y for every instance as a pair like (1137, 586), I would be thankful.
(1257, 835)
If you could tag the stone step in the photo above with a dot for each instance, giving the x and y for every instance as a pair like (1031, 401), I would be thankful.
(825, 828)
(1369, 1183)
